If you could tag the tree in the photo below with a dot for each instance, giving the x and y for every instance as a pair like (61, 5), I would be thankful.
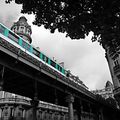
(76, 18)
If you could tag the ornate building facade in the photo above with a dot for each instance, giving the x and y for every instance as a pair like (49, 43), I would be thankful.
(113, 58)
(107, 91)
(23, 29)
(15, 107)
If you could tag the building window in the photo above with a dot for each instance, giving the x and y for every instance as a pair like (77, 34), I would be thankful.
(22, 29)
(118, 76)
(28, 31)
(13, 37)
(2, 29)
(14, 29)
(36, 52)
(53, 63)
(26, 45)
(116, 62)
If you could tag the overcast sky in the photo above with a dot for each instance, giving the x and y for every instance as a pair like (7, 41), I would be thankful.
(82, 57)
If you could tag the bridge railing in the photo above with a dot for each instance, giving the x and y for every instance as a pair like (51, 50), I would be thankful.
(14, 100)
(51, 106)
(24, 101)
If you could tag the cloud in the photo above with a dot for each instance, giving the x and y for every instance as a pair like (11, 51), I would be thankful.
(9, 13)
(82, 57)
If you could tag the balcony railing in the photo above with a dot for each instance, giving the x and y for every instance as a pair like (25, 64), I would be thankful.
(116, 91)
(14, 100)
(42, 104)
(116, 69)
(52, 106)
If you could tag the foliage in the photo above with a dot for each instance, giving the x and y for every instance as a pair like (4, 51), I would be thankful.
(76, 18)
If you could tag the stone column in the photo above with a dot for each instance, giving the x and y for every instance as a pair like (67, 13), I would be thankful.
(35, 101)
(24, 114)
(101, 117)
(81, 110)
(90, 111)
(18, 114)
(34, 104)
(2, 78)
(6, 112)
(70, 100)
(0, 113)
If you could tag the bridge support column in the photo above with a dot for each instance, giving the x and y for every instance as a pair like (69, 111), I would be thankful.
(35, 101)
(90, 110)
(2, 78)
(70, 100)
(101, 117)
(34, 104)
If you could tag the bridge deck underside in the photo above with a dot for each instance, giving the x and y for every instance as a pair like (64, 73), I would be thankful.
(20, 78)
(20, 84)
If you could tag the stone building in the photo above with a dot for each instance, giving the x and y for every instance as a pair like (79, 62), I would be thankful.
(113, 58)
(16, 107)
(23, 29)
(13, 106)
(107, 91)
